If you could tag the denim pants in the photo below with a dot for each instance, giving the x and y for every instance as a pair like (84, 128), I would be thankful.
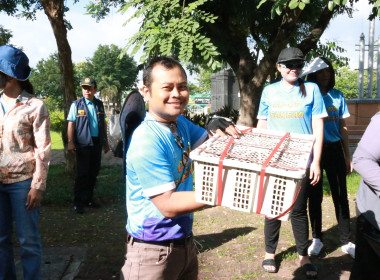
(12, 208)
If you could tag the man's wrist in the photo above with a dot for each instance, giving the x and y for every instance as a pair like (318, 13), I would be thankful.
(70, 141)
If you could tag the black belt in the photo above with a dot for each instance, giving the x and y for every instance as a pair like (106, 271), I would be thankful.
(167, 243)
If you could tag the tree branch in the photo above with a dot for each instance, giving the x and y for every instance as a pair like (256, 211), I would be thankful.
(311, 41)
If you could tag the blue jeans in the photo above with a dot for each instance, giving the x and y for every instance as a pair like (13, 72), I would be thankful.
(12, 208)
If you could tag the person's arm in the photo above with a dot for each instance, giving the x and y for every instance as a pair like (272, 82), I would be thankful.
(70, 136)
(172, 204)
(106, 145)
(42, 143)
(261, 123)
(315, 170)
(367, 156)
(346, 149)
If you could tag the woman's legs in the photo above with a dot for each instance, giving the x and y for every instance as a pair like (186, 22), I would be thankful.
(299, 220)
(336, 172)
(7, 265)
(300, 227)
(27, 230)
(315, 208)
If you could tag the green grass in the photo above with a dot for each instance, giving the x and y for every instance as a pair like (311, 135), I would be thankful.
(56, 140)
(59, 186)
(353, 181)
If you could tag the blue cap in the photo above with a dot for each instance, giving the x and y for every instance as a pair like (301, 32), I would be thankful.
(14, 63)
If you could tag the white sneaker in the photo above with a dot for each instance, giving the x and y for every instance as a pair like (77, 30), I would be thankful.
(349, 248)
(315, 247)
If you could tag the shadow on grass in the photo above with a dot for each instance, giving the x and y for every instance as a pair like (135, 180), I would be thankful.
(329, 267)
(214, 240)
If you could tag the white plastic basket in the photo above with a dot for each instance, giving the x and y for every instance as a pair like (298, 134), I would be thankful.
(241, 168)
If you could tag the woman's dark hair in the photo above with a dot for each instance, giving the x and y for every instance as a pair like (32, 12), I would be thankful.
(302, 87)
(27, 86)
(313, 76)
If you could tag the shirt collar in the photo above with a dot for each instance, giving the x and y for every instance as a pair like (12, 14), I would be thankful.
(88, 101)
(23, 97)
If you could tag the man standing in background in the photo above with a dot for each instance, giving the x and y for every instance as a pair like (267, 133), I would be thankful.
(86, 132)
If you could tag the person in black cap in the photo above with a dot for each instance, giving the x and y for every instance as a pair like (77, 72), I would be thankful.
(292, 105)
(86, 134)
(24, 162)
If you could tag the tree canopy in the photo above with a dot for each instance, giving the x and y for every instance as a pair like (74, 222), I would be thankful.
(46, 80)
(115, 74)
(248, 35)
(5, 35)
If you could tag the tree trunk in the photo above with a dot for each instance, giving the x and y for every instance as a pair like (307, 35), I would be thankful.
(55, 12)
(230, 38)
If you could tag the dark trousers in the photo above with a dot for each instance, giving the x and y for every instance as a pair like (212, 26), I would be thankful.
(367, 251)
(299, 220)
(334, 164)
(88, 166)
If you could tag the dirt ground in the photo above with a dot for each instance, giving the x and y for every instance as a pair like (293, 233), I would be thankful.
(230, 243)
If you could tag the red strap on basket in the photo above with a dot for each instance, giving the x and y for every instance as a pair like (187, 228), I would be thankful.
(262, 173)
(220, 171)
(220, 167)
(287, 210)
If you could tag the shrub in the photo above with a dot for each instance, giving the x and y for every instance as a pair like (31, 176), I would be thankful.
(200, 119)
(57, 120)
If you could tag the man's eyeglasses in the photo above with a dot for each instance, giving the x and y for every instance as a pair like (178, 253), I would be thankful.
(292, 65)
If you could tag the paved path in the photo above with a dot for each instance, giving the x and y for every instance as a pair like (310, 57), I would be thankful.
(63, 263)
(57, 263)
(58, 157)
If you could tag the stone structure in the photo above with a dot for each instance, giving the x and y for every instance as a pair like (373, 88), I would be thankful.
(224, 90)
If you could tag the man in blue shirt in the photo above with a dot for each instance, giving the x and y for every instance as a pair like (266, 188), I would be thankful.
(86, 132)
(160, 196)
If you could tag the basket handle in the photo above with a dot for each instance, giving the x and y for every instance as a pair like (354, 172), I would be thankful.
(262, 173)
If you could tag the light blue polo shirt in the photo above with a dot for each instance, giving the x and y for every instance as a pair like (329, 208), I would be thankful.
(93, 120)
(285, 109)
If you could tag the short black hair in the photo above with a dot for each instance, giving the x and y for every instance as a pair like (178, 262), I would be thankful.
(313, 76)
(167, 61)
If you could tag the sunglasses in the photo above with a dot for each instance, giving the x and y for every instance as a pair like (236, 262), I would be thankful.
(181, 145)
(292, 65)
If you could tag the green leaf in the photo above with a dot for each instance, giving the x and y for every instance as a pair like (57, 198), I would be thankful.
(279, 10)
(330, 5)
(293, 4)
(307, 1)
(301, 5)
(261, 2)
(337, 2)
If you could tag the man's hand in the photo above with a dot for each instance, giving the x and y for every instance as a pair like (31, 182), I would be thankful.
(230, 130)
(222, 126)
(70, 146)
(34, 199)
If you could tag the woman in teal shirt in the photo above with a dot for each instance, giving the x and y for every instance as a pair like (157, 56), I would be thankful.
(335, 160)
(291, 105)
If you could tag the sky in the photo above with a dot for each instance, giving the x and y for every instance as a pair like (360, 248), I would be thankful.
(37, 39)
